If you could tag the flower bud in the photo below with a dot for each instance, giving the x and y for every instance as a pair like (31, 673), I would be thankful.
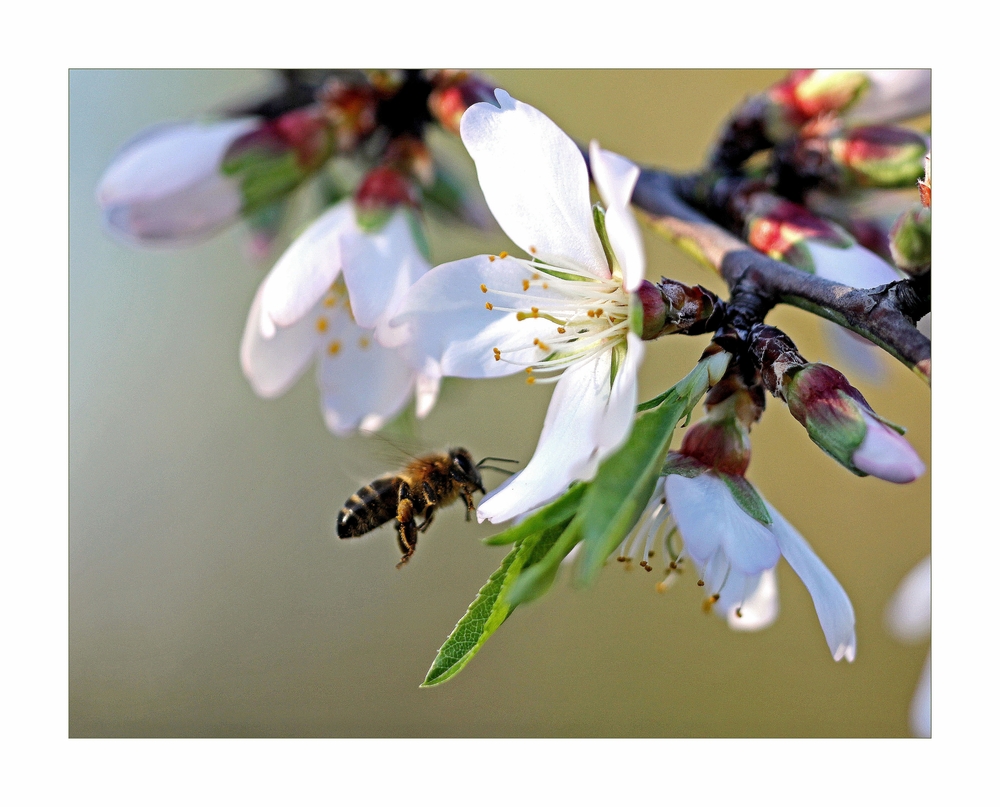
(791, 233)
(879, 156)
(673, 307)
(381, 191)
(167, 185)
(840, 421)
(910, 241)
(455, 92)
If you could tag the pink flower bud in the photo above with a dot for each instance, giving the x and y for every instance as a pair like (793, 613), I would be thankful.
(840, 421)
(886, 454)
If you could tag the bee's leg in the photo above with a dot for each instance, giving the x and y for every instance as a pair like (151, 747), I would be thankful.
(470, 505)
(430, 507)
(407, 536)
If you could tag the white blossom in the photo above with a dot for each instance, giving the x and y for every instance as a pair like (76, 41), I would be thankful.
(560, 314)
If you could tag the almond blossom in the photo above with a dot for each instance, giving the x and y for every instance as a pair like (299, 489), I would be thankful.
(322, 302)
(561, 314)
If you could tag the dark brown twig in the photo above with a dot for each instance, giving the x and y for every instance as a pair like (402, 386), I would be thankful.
(886, 315)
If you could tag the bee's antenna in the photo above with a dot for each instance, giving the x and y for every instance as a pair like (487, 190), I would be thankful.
(481, 462)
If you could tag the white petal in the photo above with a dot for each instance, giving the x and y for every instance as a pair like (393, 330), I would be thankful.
(892, 95)
(708, 516)
(615, 178)
(535, 182)
(833, 607)
(166, 159)
(854, 266)
(428, 387)
(920, 707)
(445, 319)
(165, 186)
(306, 270)
(908, 614)
(615, 426)
(362, 384)
(273, 365)
(566, 448)
(760, 608)
(886, 454)
(380, 267)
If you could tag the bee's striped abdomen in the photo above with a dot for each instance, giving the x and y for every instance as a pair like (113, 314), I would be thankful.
(369, 508)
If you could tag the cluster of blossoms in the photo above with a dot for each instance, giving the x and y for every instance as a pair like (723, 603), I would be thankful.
(356, 293)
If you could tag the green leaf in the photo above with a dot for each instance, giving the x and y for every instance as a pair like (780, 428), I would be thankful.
(619, 493)
(554, 545)
(490, 609)
(747, 497)
(558, 512)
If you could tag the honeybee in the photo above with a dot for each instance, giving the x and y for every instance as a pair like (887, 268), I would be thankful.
(423, 486)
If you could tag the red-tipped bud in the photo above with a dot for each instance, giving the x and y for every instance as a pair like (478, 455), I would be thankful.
(879, 156)
(455, 92)
(840, 421)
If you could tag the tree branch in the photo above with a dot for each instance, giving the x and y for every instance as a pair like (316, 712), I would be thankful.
(886, 315)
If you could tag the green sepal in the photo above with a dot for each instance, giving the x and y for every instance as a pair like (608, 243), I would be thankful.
(747, 497)
(372, 220)
(682, 465)
(489, 610)
(263, 177)
(625, 480)
(418, 233)
(840, 438)
(557, 512)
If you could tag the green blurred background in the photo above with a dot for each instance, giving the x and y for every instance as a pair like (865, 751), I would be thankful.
(209, 595)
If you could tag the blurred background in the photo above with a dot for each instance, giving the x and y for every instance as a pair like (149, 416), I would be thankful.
(210, 596)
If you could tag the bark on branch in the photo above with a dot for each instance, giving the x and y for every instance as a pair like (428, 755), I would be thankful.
(886, 315)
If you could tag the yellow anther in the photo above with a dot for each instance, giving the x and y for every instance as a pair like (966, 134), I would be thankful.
(545, 285)
(489, 306)
(542, 345)
(482, 288)
(363, 342)
(534, 312)
(329, 302)
(532, 250)
(714, 598)
(701, 582)
(661, 587)
(503, 255)
(599, 312)
(739, 613)
(706, 606)
(322, 325)
(496, 353)
(333, 348)
(590, 313)
(535, 276)
(492, 258)
(531, 379)
(525, 284)
(561, 330)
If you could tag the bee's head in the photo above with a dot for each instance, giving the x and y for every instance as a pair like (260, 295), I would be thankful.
(464, 470)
